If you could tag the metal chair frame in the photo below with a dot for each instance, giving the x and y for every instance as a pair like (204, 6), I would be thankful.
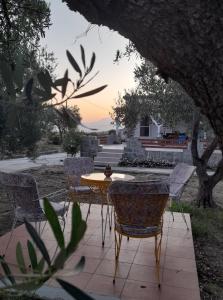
(126, 216)
(74, 167)
(22, 185)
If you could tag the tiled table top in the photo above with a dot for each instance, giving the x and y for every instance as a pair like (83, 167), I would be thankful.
(136, 273)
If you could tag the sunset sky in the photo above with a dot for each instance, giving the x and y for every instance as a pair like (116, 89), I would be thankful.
(62, 35)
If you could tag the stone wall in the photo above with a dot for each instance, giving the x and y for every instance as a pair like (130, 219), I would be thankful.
(89, 146)
(135, 150)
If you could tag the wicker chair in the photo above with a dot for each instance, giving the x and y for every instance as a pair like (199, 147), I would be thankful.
(74, 167)
(139, 208)
(23, 194)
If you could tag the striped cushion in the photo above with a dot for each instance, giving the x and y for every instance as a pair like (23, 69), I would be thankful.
(137, 230)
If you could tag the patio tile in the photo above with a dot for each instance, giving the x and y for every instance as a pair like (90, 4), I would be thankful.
(107, 267)
(92, 251)
(90, 266)
(178, 217)
(147, 245)
(103, 285)
(96, 240)
(81, 280)
(180, 241)
(147, 259)
(180, 264)
(136, 277)
(124, 256)
(179, 251)
(178, 232)
(170, 293)
(131, 244)
(183, 279)
(143, 273)
(179, 224)
(140, 290)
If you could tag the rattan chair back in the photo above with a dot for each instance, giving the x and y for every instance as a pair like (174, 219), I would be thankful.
(139, 203)
(22, 191)
(74, 167)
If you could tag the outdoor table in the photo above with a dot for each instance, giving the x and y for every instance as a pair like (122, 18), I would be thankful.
(101, 182)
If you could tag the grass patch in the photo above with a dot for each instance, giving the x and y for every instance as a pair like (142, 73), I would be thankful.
(206, 223)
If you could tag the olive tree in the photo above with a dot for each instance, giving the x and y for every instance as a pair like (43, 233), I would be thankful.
(183, 39)
(169, 104)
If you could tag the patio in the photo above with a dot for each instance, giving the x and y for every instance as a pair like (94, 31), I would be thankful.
(136, 274)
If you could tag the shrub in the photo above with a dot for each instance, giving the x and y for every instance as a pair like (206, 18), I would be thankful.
(145, 163)
(72, 141)
(54, 138)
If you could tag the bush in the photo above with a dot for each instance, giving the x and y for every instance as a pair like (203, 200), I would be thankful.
(145, 163)
(72, 141)
(54, 138)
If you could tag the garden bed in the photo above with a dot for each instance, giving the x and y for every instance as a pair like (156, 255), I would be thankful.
(145, 163)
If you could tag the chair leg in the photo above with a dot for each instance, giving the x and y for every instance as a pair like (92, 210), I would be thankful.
(43, 227)
(68, 208)
(172, 214)
(11, 234)
(184, 218)
(88, 212)
(158, 243)
(118, 241)
(102, 224)
(105, 225)
(111, 215)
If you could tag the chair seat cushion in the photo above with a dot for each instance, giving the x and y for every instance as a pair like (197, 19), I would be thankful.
(140, 231)
(81, 189)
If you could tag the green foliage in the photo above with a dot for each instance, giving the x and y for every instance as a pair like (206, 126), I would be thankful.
(54, 138)
(72, 141)
(22, 24)
(32, 278)
(166, 103)
(21, 111)
(74, 291)
(205, 222)
(54, 223)
(127, 111)
(60, 85)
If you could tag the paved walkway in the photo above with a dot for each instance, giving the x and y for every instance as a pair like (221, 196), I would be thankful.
(21, 164)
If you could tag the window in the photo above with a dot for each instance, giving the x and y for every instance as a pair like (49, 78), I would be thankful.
(144, 126)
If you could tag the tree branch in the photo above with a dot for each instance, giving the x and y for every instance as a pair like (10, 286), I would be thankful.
(209, 150)
(218, 175)
(194, 150)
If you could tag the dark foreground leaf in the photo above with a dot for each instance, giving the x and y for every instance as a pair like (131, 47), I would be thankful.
(74, 291)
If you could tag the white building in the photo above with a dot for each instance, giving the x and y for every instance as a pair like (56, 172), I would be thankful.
(149, 128)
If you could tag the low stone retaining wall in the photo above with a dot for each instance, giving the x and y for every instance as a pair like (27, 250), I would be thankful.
(134, 149)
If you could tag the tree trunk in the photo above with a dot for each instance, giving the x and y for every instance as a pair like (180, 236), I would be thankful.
(205, 194)
(206, 185)
(182, 38)
(206, 182)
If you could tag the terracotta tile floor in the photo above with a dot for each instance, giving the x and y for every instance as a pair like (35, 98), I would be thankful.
(136, 273)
